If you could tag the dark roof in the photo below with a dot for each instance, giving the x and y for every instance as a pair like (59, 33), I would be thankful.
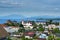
(3, 32)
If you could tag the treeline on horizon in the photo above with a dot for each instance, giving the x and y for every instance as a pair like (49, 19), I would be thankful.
(48, 19)
(15, 23)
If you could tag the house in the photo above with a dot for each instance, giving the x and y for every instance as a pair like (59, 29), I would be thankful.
(27, 25)
(3, 33)
(40, 22)
(11, 29)
(29, 35)
(43, 36)
(58, 27)
(37, 33)
(17, 35)
(52, 26)
(46, 29)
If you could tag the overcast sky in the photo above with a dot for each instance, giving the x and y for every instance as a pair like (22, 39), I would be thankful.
(30, 7)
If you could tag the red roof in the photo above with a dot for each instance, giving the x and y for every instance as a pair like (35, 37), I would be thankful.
(3, 25)
(29, 34)
(3, 32)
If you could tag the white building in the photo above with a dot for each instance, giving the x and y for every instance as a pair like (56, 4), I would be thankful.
(58, 27)
(43, 23)
(43, 36)
(11, 29)
(52, 26)
(27, 25)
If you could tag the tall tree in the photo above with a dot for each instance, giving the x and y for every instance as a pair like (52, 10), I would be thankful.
(21, 25)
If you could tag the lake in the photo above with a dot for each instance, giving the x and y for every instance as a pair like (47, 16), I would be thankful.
(18, 20)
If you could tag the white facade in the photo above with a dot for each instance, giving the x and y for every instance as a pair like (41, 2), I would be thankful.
(40, 23)
(58, 27)
(27, 25)
(52, 26)
(11, 29)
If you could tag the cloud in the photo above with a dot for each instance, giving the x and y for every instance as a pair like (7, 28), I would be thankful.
(45, 6)
(31, 3)
(11, 3)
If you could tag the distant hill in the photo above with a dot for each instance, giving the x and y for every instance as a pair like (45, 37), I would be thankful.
(44, 17)
(21, 17)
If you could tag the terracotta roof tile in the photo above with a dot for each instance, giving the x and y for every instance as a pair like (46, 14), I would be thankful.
(3, 32)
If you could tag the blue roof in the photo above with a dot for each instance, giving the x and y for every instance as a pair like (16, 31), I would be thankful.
(43, 36)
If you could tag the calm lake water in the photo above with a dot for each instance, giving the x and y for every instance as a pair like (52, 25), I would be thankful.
(18, 20)
(5, 20)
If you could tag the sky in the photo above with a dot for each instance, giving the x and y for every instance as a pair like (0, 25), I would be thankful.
(30, 7)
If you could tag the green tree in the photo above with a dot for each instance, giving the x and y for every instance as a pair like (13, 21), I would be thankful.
(57, 38)
(50, 37)
(9, 38)
(21, 30)
(40, 29)
(56, 30)
(20, 25)
(40, 25)
(9, 24)
(48, 22)
(34, 25)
